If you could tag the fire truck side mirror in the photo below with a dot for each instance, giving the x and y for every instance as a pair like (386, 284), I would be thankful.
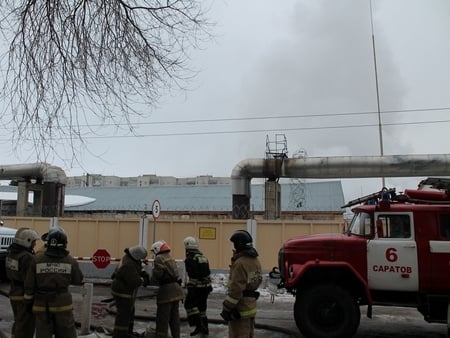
(379, 225)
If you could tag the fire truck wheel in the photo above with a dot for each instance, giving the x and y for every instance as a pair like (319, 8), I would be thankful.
(326, 310)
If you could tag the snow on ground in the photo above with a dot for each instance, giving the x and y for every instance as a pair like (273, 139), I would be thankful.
(268, 286)
(219, 282)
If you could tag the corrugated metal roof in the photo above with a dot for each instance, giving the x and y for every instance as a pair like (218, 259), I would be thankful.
(317, 196)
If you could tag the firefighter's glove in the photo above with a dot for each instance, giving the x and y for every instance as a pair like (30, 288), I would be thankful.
(230, 314)
(257, 294)
(145, 278)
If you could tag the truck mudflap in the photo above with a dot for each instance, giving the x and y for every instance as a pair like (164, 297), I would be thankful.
(448, 319)
(369, 311)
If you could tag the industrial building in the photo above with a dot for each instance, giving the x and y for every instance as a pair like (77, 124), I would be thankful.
(100, 196)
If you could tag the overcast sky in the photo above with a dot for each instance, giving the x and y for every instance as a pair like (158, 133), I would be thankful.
(298, 58)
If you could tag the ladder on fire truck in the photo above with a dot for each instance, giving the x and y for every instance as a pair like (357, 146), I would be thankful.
(422, 195)
(435, 183)
(383, 193)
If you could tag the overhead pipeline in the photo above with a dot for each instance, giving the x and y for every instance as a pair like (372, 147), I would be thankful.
(42, 172)
(338, 167)
(330, 167)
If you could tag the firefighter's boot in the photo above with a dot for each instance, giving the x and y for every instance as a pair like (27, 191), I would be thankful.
(205, 325)
(199, 327)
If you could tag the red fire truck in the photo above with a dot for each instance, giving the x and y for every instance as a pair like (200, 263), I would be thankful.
(396, 251)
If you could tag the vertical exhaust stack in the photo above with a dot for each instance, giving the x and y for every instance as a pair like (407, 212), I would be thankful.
(47, 183)
(241, 177)
(330, 167)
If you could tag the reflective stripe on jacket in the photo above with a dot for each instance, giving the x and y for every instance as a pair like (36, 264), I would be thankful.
(126, 278)
(245, 275)
(165, 274)
(197, 269)
(48, 281)
(17, 263)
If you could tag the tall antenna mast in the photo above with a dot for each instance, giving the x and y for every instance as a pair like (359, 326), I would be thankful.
(380, 130)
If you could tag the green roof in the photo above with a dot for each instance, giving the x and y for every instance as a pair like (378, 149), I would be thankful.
(314, 196)
(317, 196)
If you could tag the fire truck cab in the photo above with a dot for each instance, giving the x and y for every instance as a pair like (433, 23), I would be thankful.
(396, 251)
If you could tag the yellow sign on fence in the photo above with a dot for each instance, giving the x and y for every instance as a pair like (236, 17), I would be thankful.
(207, 233)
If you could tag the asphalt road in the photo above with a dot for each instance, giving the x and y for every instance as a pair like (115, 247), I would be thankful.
(274, 320)
(399, 322)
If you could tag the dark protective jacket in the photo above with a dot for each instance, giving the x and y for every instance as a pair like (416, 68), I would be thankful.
(127, 277)
(197, 269)
(245, 277)
(165, 274)
(48, 280)
(17, 263)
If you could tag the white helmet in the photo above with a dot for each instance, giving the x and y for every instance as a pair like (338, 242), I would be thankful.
(137, 252)
(159, 246)
(25, 237)
(190, 243)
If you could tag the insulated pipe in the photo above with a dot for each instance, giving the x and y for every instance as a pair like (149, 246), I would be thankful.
(41, 171)
(338, 167)
(48, 197)
(332, 167)
(368, 166)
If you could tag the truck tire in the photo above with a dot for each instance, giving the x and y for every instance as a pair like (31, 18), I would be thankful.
(326, 311)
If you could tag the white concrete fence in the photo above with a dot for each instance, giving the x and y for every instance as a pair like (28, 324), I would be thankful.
(86, 292)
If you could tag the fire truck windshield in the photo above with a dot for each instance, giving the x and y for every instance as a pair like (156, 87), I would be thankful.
(361, 224)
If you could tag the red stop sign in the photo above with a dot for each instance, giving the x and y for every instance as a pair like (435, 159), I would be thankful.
(101, 258)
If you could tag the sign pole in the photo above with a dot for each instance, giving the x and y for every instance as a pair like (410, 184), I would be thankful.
(143, 228)
(154, 229)
(156, 209)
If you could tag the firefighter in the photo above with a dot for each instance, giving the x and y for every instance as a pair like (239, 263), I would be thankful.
(19, 259)
(165, 275)
(198, 286)
(239, 306)
(47, 284)
(126, 280)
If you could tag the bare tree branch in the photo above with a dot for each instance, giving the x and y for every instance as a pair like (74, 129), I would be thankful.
(72, 62)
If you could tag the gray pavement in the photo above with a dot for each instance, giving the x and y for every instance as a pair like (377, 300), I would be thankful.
(274, 320)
